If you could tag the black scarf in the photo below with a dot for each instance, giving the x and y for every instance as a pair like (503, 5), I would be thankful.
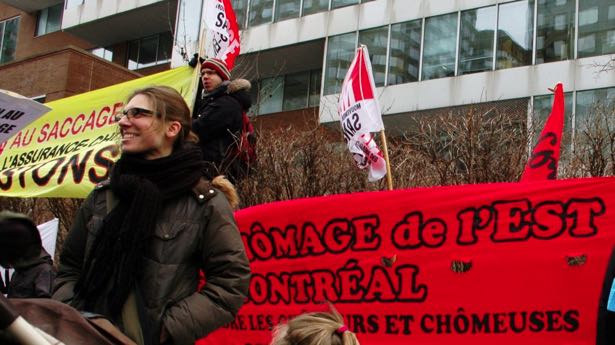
(141, 187)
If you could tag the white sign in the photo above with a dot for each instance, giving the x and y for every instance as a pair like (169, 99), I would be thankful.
(16, 112)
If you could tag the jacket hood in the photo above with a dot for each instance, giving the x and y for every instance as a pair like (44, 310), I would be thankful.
(7, 215)
(41, 258)
(226, 187)
(19, 237)
(240, 90)
(238, 85)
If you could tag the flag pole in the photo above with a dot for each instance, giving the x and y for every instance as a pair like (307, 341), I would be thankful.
(386, 159)
(197, 69)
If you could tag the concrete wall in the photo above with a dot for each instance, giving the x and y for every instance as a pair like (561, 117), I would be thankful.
(94, 10)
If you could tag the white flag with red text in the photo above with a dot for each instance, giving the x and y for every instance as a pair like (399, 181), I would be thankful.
(222, 39)
(360, 115)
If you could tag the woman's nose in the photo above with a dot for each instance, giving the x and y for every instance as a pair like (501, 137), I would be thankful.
(123, 122)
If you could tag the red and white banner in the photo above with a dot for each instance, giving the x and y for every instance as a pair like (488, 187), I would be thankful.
(501, 263)
(360, 115)
(542, 164)
(222, 39)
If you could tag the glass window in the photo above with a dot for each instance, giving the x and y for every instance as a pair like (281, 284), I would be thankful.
(147, 51)
(405, 52)
(589, 104)
(588, 15)
(73, 3)
(296, 88)
(133, 55)
(150, 51)
(286, 9)
(271, 95)
(340, 52)
(315, 78)
(8, 39)
(541, 111)
(555, 30)
(49, 19)
(476, 40)
(240, 7)
(314, 6)
(439, 46)
(103, 53)
(515, 23)
(342, 3)
(376, 42)
(261, 12)
(165, 47)
(596, 28)
(188, 25)
(40, 99)
(254, 93)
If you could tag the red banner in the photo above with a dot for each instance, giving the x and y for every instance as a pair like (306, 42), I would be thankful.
(509, 263)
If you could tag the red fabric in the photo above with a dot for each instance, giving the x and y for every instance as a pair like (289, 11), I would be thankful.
(543, 162)
(362, 89)
(233, 34)
(201, 281)
(507, 263)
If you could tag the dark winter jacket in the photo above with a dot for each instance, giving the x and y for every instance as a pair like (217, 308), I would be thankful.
(33, 278)
(218, 119)
(194, 232)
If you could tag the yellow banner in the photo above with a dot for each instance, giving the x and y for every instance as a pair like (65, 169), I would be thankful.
(68, 151)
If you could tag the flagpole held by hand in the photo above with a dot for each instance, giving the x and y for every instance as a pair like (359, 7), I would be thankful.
(386, 158)
(196, 79)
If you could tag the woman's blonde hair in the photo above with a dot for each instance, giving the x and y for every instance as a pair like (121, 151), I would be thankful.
(169, 105)
(319, 328)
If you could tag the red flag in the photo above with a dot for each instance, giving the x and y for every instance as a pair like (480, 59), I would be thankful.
(542, 164)
(222, 31)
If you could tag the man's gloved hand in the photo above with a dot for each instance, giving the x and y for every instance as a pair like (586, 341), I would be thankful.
(195, 58)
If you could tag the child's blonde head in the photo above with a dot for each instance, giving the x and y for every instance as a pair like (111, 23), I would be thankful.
(319, 328)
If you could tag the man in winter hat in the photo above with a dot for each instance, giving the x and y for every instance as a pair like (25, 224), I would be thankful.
(218, 115)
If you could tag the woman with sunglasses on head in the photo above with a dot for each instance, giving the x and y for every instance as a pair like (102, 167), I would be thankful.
(140, 239)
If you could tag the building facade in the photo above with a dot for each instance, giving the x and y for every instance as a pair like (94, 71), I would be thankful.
(430, 55)
(427, 56)
(51, 49)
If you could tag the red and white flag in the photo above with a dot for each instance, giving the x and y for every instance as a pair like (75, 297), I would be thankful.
(542, 164)
(222, 39)
(360, 115)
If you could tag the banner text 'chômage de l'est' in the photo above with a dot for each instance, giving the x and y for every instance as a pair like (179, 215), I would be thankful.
(503, 221)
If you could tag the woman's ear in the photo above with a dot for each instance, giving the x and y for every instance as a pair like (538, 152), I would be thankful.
(173, 129)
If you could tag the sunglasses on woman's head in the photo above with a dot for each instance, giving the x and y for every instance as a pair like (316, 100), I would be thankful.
(133, 113)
